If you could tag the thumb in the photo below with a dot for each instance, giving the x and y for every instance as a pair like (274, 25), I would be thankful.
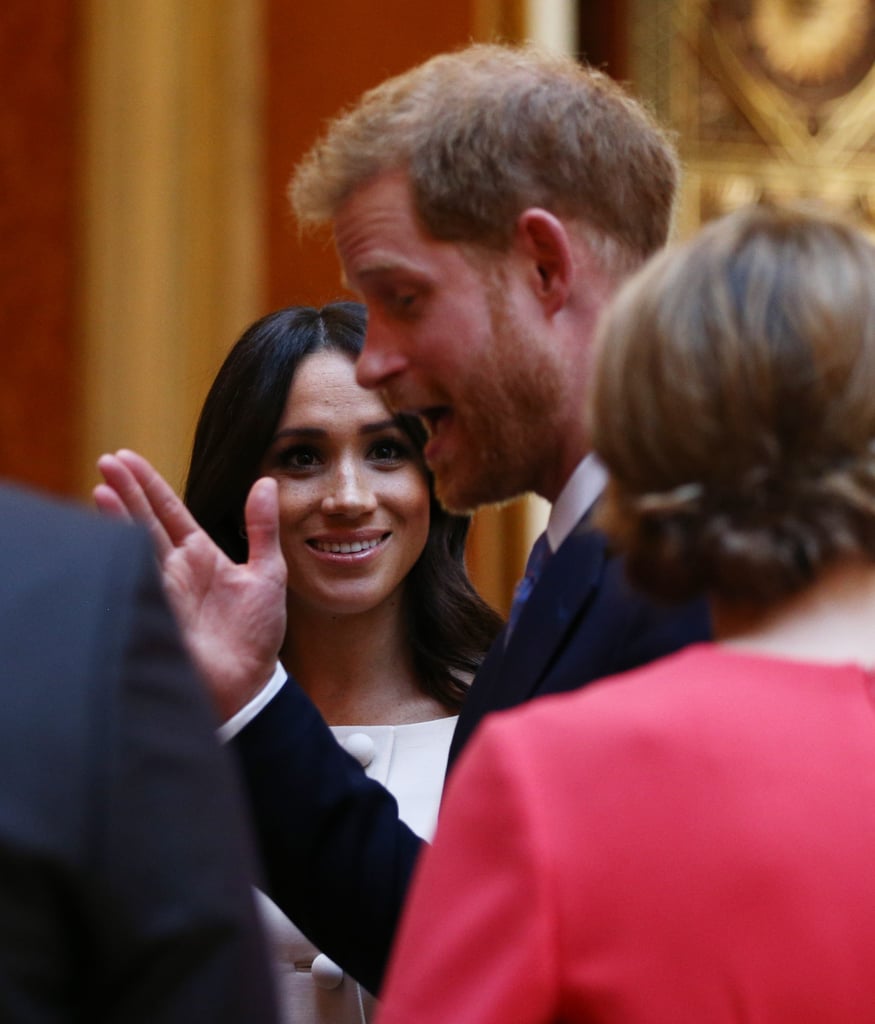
(262, 526)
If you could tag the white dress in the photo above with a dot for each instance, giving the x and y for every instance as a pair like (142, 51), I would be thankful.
(410, 761)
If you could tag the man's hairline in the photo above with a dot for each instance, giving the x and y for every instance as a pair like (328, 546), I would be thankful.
(477, 252)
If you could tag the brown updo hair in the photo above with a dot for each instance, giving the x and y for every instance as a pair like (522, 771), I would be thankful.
(733, 403)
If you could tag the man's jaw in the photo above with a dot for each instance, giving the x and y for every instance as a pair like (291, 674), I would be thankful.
(433, 417)
(437, 420)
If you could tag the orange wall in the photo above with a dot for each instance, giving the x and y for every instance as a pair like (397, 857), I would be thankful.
(320, 57)
(37, 242)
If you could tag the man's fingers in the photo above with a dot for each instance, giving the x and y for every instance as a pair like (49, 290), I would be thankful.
(109, 503)
(130, 494)
(262, 527)
(163, 501)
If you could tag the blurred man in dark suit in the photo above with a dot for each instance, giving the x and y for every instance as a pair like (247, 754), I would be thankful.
(125, 862)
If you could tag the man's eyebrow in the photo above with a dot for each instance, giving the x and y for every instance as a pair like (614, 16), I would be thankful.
(382, 266)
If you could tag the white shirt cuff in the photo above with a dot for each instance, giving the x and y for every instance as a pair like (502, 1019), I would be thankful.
(244, 716)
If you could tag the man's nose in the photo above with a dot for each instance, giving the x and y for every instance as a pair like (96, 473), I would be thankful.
(381, 358)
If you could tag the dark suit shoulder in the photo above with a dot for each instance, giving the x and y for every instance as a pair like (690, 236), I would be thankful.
(126, 885)
(582, 622)
(68, 586)
(609, 625)
(38, 529)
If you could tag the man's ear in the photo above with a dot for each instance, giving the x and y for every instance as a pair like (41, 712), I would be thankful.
(542, 237)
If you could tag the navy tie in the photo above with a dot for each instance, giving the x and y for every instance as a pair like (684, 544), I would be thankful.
(537, 560)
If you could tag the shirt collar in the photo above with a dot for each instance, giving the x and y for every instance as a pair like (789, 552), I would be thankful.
(575, 499)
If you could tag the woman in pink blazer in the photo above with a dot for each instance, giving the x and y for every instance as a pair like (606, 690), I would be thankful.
(694, 840)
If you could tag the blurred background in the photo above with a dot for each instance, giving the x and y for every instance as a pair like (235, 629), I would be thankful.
(145, 148)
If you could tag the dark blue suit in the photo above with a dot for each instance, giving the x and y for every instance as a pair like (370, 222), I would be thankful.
(338, 859)
(125, 881)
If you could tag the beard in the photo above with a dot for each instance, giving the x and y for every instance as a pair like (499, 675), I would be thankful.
(505, 413)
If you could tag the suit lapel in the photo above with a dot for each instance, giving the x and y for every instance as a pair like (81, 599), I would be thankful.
(554, 607)
(509, 676)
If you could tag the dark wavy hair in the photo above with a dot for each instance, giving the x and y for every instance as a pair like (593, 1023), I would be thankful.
(733, 403)
(450, 626)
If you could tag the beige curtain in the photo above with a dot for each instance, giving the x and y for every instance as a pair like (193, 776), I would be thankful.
(171, 264)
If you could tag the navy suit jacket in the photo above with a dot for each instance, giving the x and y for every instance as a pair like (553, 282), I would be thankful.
(125, 857)
(338, 858)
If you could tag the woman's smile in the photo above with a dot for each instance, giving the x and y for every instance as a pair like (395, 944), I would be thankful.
(349, 546)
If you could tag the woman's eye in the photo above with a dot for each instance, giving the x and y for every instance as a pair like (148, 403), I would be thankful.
(389, 452)
(298, 458)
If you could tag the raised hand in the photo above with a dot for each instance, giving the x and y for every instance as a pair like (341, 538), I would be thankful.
(233, 617)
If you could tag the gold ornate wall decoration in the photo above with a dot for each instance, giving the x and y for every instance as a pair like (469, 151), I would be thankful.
(775, 98)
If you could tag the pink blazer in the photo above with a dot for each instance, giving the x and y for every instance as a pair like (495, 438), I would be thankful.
(692, 841)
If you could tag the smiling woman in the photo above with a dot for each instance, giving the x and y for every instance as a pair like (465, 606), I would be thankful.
(384, 628)
(353, 495)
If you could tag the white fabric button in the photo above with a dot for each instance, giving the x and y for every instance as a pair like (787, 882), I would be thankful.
(326, 973)
(362, 748)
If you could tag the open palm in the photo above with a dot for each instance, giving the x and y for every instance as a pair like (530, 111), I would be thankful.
(232, 616)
